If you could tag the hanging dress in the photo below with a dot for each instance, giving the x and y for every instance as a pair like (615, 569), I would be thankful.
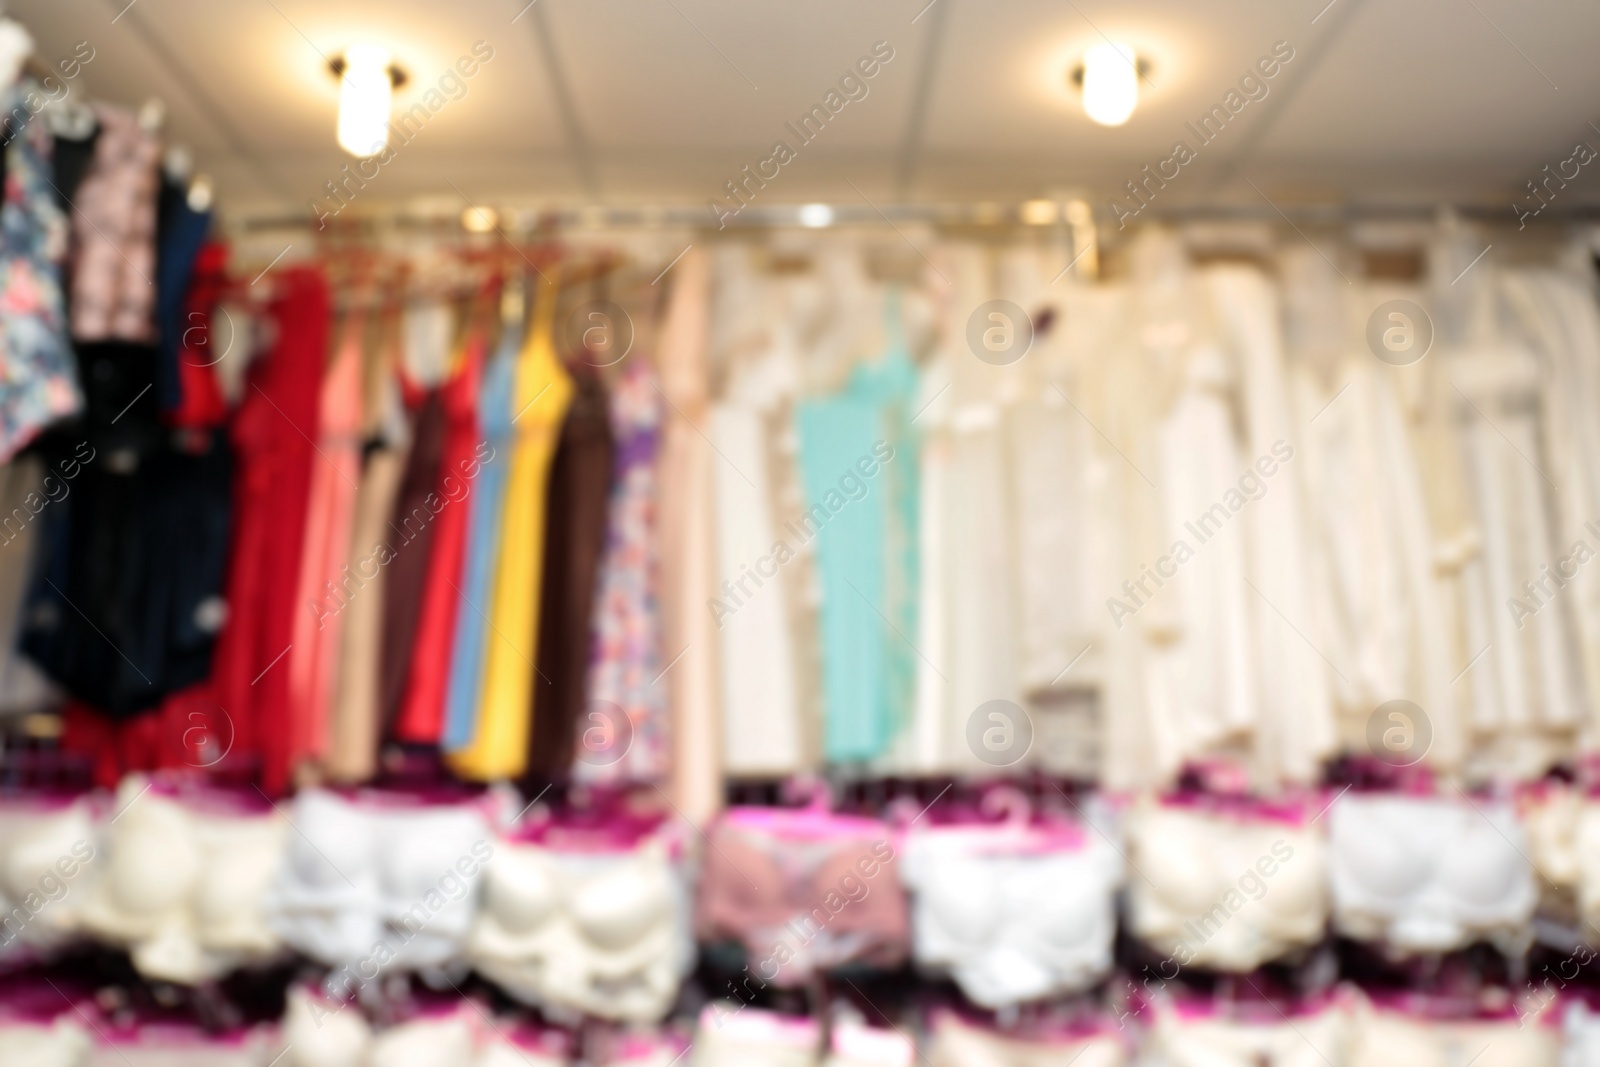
(353, 739)
(688, 559)
(762, 732)
(858, 456)
(1370, 561)
(1558, 310)
(1528, 709)
(1296, 730)
(499, 747)
(273, 433)
(627, 629)
(575, 533)
(933, 739)
(980, 642)
(412, 529)
(322, 589)
(445, 508)
(483, 544)
(1180, 679)
(37, 383)
(1054, 481)
(114, 230)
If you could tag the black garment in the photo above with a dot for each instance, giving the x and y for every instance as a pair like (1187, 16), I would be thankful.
(71, 160)
(120, 412)
(127, 597)
(127, 601)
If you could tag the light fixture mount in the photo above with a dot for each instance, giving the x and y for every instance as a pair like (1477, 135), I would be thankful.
(397, 75)
(1140, 64)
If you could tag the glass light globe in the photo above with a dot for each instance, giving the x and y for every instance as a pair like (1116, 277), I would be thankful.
(1110, 84)
(365, 96)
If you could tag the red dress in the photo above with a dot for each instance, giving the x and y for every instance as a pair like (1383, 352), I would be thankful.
(273, 433)
(203, 343)
(422, 709)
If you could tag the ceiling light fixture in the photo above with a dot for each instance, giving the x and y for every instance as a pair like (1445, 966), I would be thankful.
(816, 216)
(367, 81)
(1039, 212)
(480, 219)
(1109, 79)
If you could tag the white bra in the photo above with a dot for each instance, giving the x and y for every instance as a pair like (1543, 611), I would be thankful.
(61, 1044)
(730, 1035)
(1389, 1039)
(49, 858)
(165, 1047)
(371, 885)
(184, 890)
(499, 1050)
(1555, 818)
(605, 933)
(320, 1033)
(852, 1044)
(1552, 820)
(1587, 847)
(1426, 874)
(1011, 925)
(1224, 892)
(1580, 1037)
(959, 1044)
(1313, 1040)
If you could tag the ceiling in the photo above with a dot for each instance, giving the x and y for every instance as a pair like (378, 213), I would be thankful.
(662, 101)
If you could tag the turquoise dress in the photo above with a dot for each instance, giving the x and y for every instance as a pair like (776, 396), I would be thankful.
(865, 527)
(483, 546)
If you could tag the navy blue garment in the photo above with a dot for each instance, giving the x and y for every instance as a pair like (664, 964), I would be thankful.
(181, 231)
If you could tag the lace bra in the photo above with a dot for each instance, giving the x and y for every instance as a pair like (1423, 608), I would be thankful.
(1587, 848)
(48, 856)
(1580, 1043)
(59, 1044)
(1564, 846)
(1427, 874)
(1224, 891)
(803, 892)
(1011, 924)
(961, 1044)
(1184, 1039)
(730, 1035)
(168, 1045)
(1381, 1038)
(372, 884)
(184, 891)
(606, 933)
(317, 1033)
(852, 1044)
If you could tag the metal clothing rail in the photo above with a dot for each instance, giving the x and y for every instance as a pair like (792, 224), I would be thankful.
(1031, 214)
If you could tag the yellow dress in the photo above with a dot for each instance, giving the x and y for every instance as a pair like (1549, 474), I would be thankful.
(543, 390)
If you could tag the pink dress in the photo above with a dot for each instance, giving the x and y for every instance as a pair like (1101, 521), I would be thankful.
(688, 550)
(321, 590)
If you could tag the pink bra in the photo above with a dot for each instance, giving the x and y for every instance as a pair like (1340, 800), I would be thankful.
(803, 891)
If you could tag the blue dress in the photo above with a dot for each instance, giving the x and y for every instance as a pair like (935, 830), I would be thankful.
(483, 546)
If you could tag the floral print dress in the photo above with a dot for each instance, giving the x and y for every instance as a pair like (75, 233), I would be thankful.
(626, 657)
(37, 383)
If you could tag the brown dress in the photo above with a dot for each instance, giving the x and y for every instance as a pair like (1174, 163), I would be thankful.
(575, 531)
(410, 535)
